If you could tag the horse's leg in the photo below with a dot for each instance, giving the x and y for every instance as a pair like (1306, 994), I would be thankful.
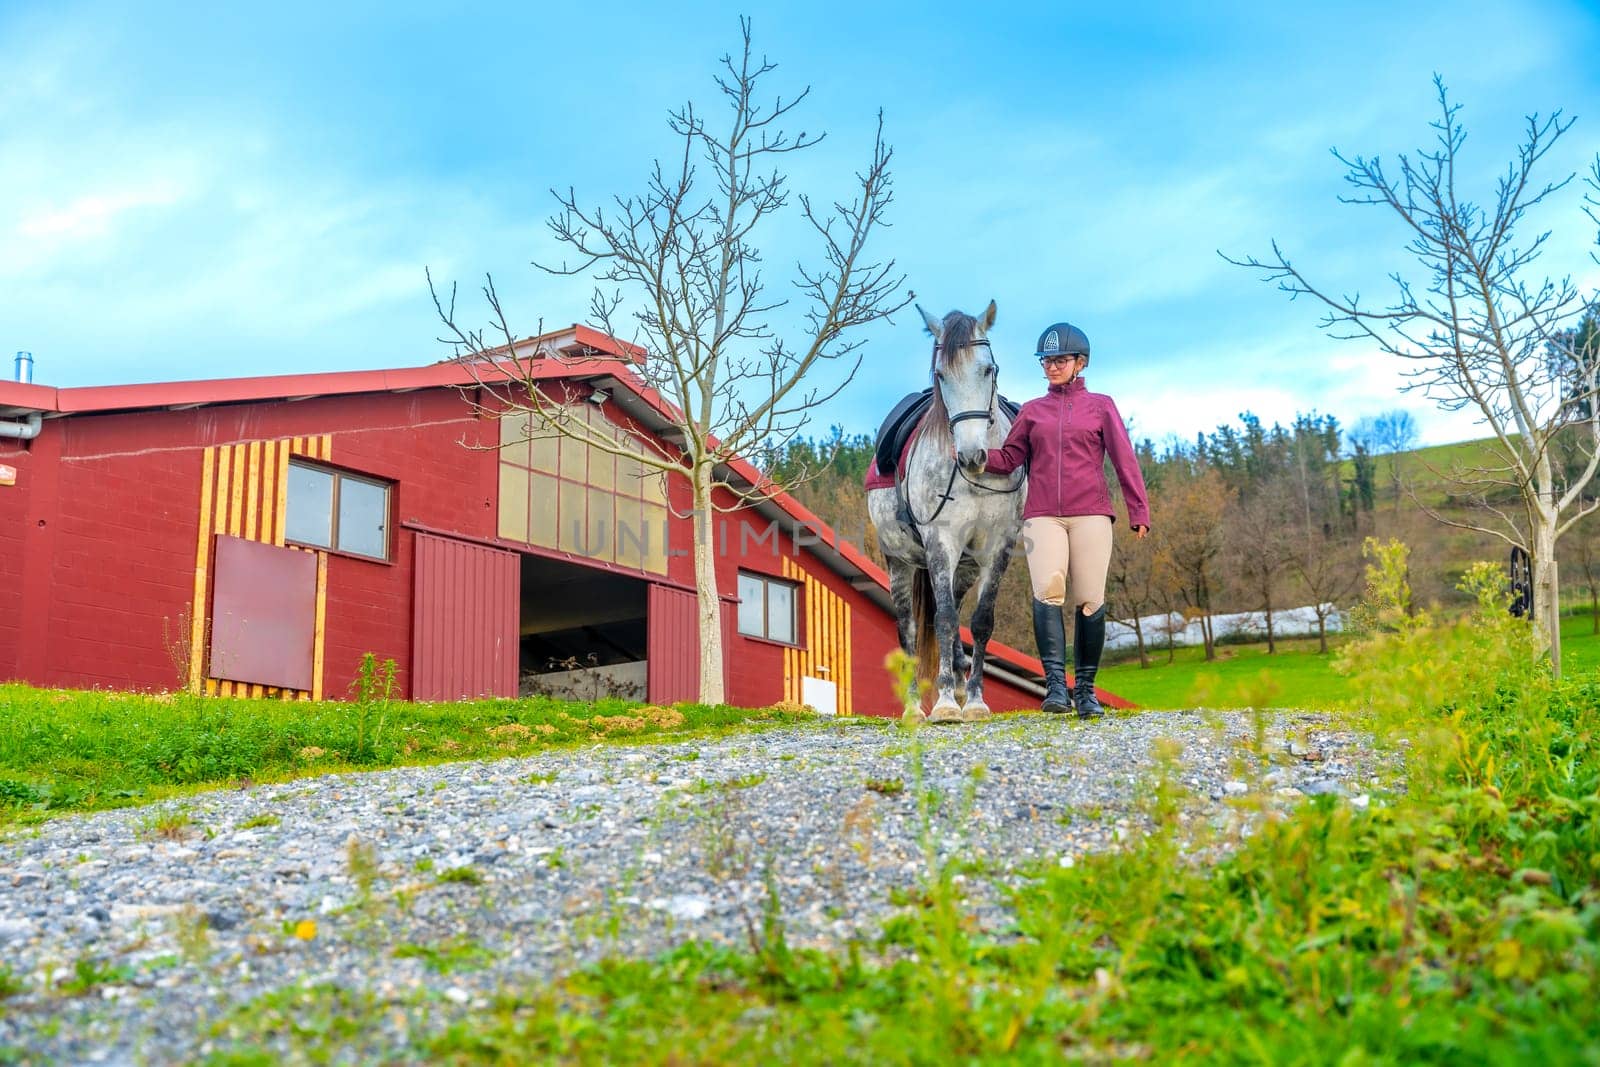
(946, 627)
(902, 576)
(966, 574)
(976, 708)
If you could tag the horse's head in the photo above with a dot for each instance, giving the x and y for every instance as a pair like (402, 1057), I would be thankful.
(964, 374)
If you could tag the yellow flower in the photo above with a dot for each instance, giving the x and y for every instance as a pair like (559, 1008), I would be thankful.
(305, 930)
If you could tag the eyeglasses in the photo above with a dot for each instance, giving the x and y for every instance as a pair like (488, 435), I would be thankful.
(1056, 361)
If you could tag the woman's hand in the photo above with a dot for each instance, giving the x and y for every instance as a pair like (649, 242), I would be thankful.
(1141, 532)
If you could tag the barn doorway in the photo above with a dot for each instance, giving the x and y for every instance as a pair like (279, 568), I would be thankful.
(583, 632)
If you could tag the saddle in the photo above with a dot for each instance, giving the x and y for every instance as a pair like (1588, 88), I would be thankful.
(902, 421)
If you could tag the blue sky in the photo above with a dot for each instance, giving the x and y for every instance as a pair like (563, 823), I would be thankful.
(188, 192)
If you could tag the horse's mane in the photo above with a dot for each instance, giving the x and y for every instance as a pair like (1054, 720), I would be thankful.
(951, 351)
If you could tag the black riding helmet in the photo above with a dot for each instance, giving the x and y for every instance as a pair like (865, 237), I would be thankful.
(1063, 339)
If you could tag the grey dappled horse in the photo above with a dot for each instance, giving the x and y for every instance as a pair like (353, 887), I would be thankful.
(946, 526)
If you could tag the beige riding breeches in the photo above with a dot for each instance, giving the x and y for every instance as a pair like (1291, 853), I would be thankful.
(1071, 549)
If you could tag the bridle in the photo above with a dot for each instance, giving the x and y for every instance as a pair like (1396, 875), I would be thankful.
(986, 414)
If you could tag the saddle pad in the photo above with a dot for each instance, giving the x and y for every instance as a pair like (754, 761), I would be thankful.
(895, 433)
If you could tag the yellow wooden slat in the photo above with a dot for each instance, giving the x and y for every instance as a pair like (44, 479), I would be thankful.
(846, 689)
(224, 487)
(202, 561)
(269, 491)
(319, 633)
(828, 627)
(811, 627)
(236, 491)
(252, 493)
(280, 508)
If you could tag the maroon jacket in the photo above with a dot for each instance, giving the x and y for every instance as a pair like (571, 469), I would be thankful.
(1063, 438)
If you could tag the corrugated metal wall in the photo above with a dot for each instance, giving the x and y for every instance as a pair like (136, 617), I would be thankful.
(674, 641)
(464, 622)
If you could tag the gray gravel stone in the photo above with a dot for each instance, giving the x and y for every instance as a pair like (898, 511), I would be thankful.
(573, 855)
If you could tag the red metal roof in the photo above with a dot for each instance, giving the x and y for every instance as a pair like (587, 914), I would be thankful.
(592, 352)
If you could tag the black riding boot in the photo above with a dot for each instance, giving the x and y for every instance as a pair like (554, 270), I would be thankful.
(1050, 633)
(1088, 641)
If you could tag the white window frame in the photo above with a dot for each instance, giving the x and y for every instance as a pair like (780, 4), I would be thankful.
(339, 477)
(767, 581)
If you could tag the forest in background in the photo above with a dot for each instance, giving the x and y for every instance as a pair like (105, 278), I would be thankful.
(1249, 517)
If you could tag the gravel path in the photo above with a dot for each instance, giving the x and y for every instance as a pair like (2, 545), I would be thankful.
(132, 936)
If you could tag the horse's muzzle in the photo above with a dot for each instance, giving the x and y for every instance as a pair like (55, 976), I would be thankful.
(973, 460)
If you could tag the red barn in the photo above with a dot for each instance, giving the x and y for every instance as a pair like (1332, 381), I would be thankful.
(257, 536)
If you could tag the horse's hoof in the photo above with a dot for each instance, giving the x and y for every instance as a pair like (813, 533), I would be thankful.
(976, 712)
(945, 713)
(912, 717)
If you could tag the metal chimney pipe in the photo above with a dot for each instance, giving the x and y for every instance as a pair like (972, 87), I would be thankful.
(25, 367)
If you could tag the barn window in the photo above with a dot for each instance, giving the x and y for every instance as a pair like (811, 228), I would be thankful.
(565, 493)
(333, 509)
(767, 608)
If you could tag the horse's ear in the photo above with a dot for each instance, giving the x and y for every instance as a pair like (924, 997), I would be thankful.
(988, 317)
(935, 326)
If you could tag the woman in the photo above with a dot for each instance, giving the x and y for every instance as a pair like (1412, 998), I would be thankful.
(1063, 438)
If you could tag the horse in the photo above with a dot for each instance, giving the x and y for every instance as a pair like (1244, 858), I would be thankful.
(945, 525)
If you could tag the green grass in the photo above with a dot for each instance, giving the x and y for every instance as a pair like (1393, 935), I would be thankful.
(1297, 676)
(67, 750)
(1580, 645)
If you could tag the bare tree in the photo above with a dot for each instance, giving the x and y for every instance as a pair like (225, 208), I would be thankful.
(1139, 579)
(1479, 335)
(679, 272)
(1388, 434)
(1192, 541)
(1329, 570)
(1257, 549)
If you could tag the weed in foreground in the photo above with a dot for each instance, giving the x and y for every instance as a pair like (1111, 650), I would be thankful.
(172, 824)
(444, 957)
(89, 974)
(461, 876)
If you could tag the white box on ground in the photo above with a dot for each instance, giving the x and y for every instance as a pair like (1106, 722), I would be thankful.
(820, 695)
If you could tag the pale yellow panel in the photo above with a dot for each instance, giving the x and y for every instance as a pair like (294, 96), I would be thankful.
(602, 468)
(653, 487)
(514, 438)
(629, 473)
(602, 525)
(570, 519)
(513, 502)
(542, 510)
(573, 457)
(655, 524)
(542, 451)
(629, 535)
